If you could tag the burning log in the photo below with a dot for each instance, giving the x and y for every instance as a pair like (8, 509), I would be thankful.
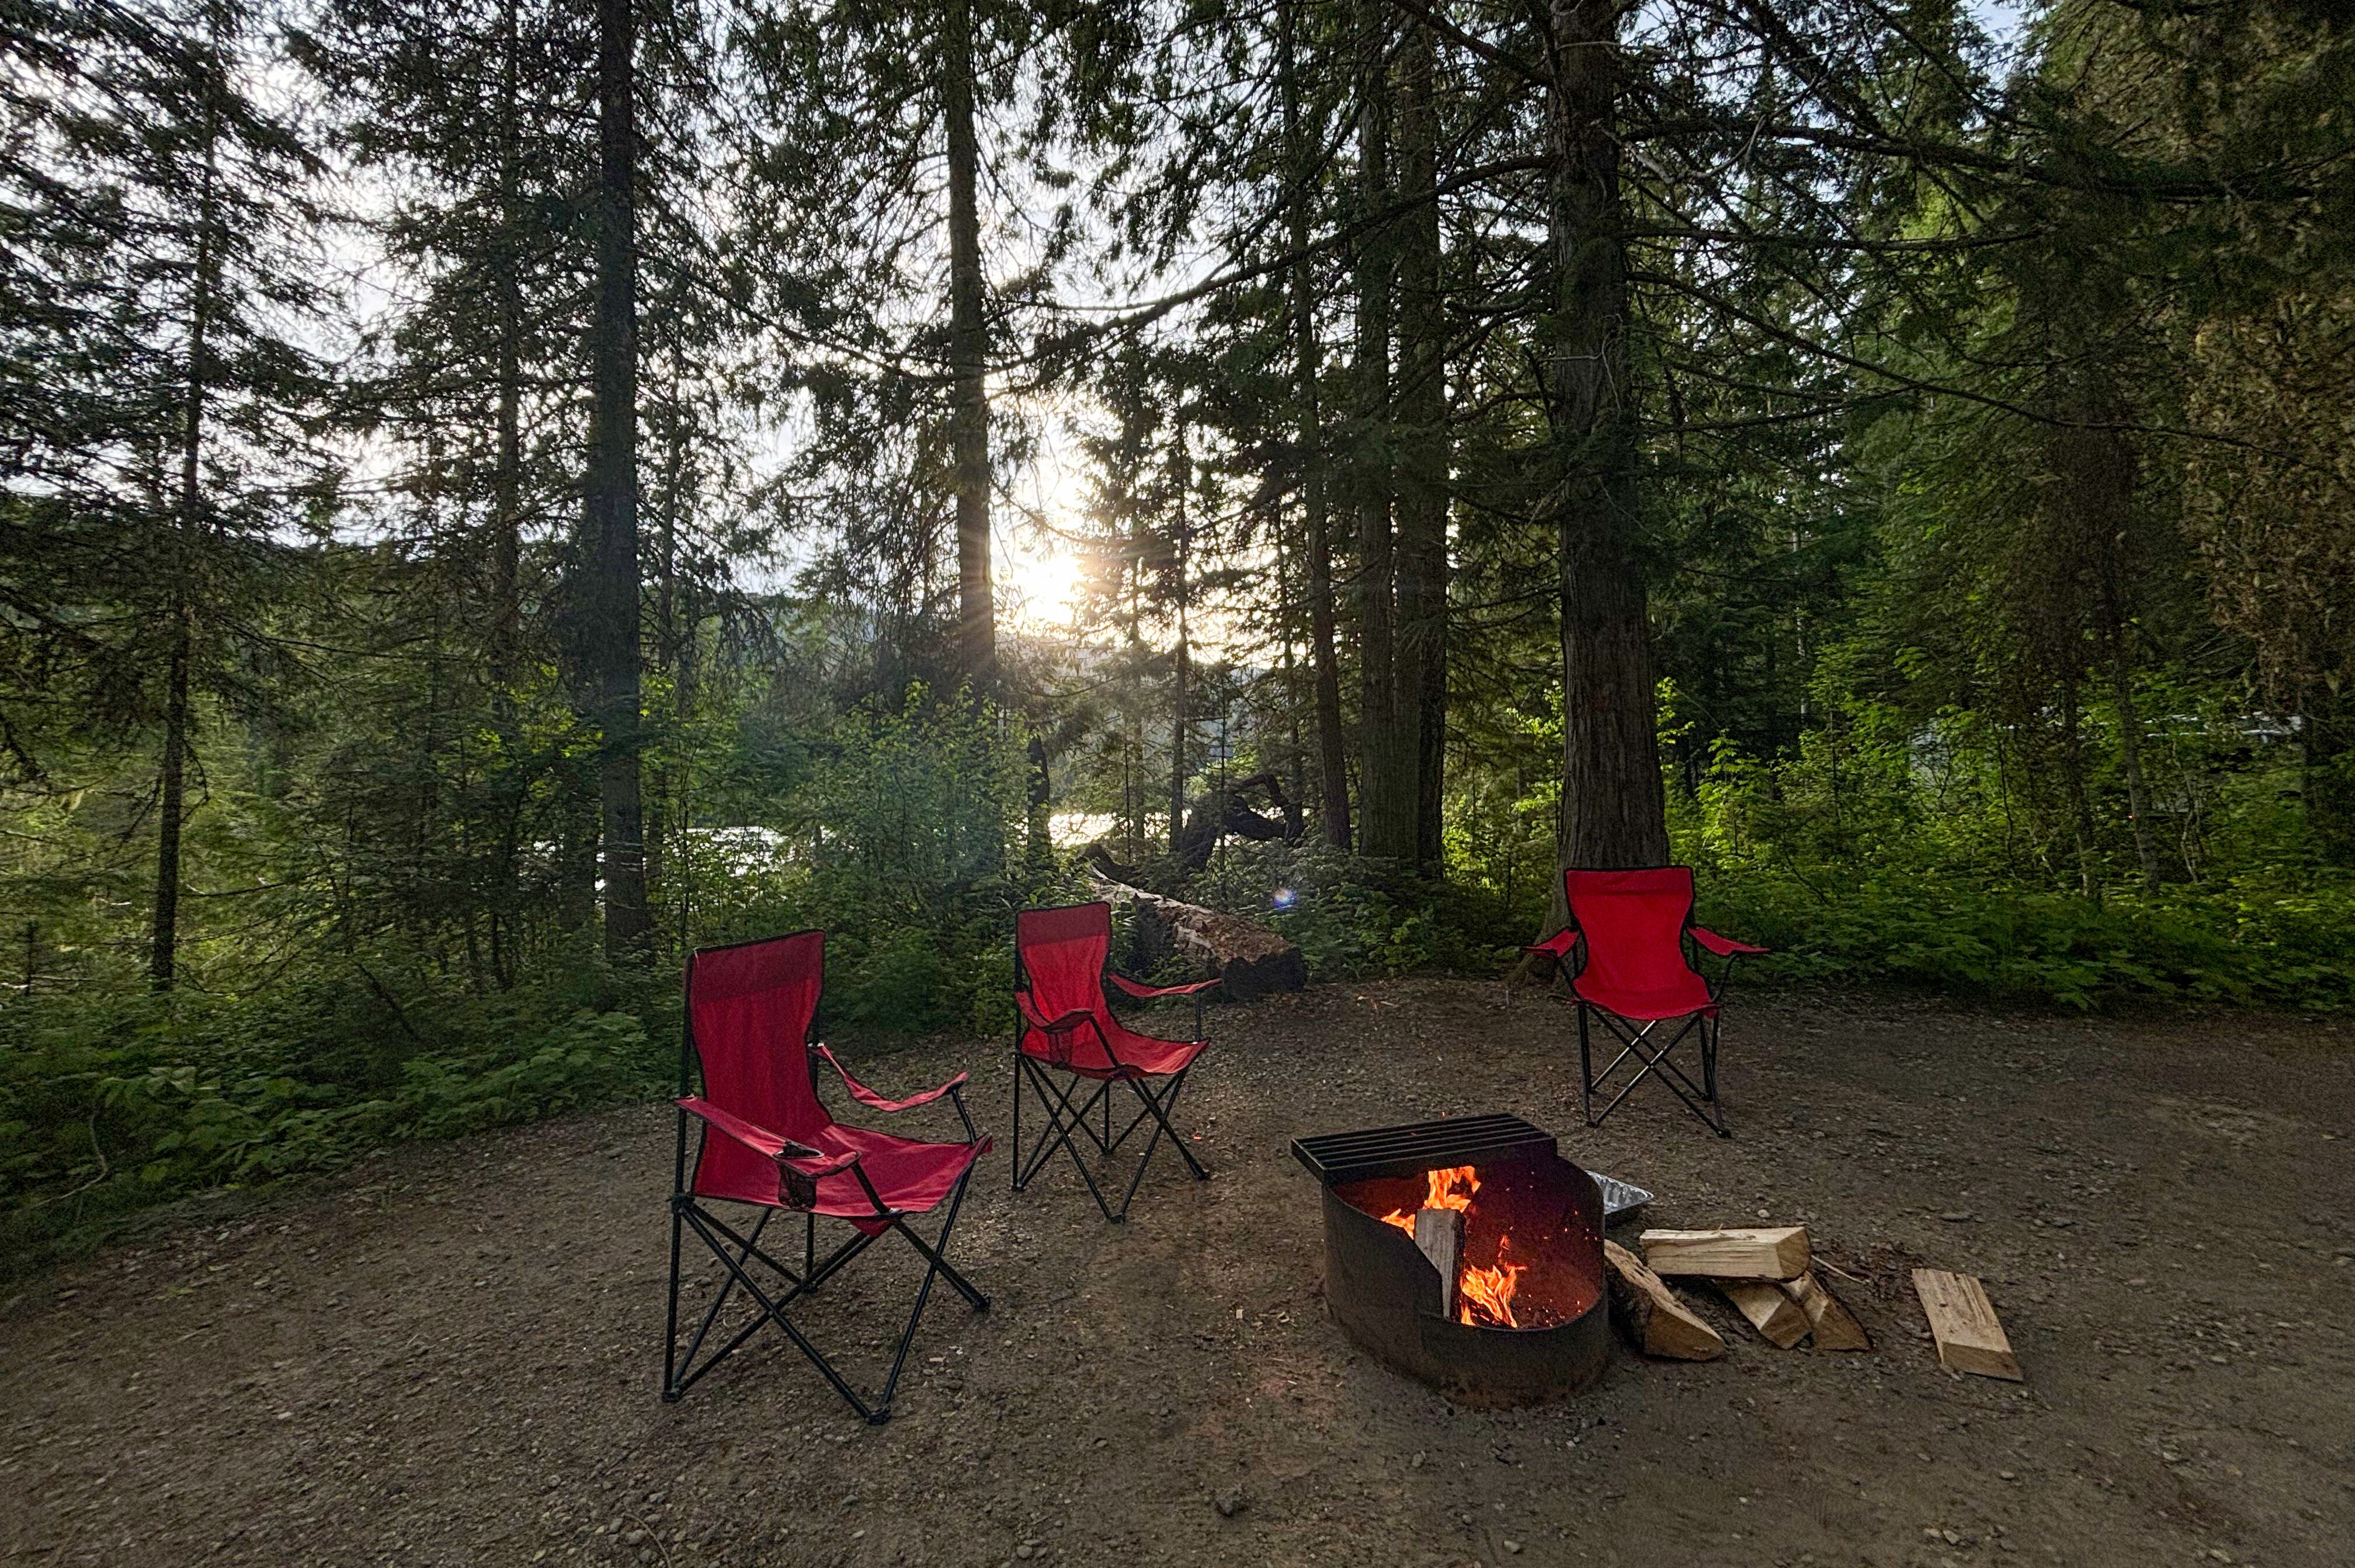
(1440, 1233)
(1775, 1315)
(1762, 1252)
(1970, 1337)
(1650, 1312)
(1828, 1318)
(1250, 960)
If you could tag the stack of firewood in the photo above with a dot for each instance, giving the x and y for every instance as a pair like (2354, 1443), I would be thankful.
(1769, 1275)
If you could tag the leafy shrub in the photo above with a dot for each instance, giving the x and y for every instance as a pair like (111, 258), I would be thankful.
(2280, 948)
(106, 1105)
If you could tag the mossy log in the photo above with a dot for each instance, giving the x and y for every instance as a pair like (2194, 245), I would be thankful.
(1250, 960)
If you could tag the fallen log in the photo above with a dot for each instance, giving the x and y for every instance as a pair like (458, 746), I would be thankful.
(1828, 1318)
(1759, 1252)
(1650, 1314)
(1963, 1321)
(1250, 960)
(1775, 1315)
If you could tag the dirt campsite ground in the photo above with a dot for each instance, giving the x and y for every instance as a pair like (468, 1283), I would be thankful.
(449, 1356)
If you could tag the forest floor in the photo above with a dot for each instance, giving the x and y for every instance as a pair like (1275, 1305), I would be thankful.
(451, 1356)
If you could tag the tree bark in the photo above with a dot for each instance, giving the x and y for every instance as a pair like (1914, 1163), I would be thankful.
(1332, 751)
(1180, 716)
(163, 930)
(1612, 810)
(1419, 703)
(2114, 625)
(507, 484)
(2096, 471)
(969, 359)
(610, 603)
(1385, 783)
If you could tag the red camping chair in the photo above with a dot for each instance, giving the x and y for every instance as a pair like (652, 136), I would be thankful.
(1067, 1027)
(768, 1142)
(1634, 974)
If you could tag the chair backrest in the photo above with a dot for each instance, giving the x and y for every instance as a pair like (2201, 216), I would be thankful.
(1634, 923)
(749, 1009)
(1062, 952)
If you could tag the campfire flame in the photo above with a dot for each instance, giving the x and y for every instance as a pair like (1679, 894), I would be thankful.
(1484, 1296)
(1489, 1291)
(1449, 1189)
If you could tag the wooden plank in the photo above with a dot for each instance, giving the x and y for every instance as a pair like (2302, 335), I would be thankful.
(1828, 1318)
(1761, 1253)
(1650, 1312)
(1772, 1313)
(1970, 1337)
(1440, 1233)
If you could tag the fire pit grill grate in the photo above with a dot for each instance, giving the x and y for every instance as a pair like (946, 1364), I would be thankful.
(1415, 1147)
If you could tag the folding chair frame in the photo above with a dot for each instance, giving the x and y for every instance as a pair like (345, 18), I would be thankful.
(682, 1372)
(1064, 1117)
(1634, 1035)
(1701, 1099)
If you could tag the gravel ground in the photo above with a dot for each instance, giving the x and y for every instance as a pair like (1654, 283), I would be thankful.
(451, 1356)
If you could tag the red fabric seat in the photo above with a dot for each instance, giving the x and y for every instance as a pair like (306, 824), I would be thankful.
(767, 1140)
(1066, 1025)
(910, 1177)
(1627, 935)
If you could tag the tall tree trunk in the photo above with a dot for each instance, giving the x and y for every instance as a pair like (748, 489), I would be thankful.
(163, 947)
(969, 359)
(163, 930)
(610, 603)
(1385, 787)
(1181, 718)
(507, 484)
(1332, 750)
(1420, 700)
(2072, 779)
(507, 491)
(1612, 810)
(2122, 696)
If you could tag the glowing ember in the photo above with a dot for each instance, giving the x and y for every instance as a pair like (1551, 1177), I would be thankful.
(1484, 1295)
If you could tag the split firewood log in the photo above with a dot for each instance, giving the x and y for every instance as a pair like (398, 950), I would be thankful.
(1650, 1312)
(1775, 1315)
(1963, 1321)
(1749, 1253)
(1828, 1318)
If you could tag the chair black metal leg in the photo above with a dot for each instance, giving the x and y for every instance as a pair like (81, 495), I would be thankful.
(1585, 1070)
(1159, 1106)
(670, 1321)
(882, 1411)
(1700, 1099)
(676, 1378)
(775, 1312)
(1062, 1120)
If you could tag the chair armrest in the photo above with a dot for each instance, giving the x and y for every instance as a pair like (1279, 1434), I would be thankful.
(869, 1098)
(1035, 1020)
(1145, 993)
(791, 1155)
(1558, 944)
(1723, 946)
